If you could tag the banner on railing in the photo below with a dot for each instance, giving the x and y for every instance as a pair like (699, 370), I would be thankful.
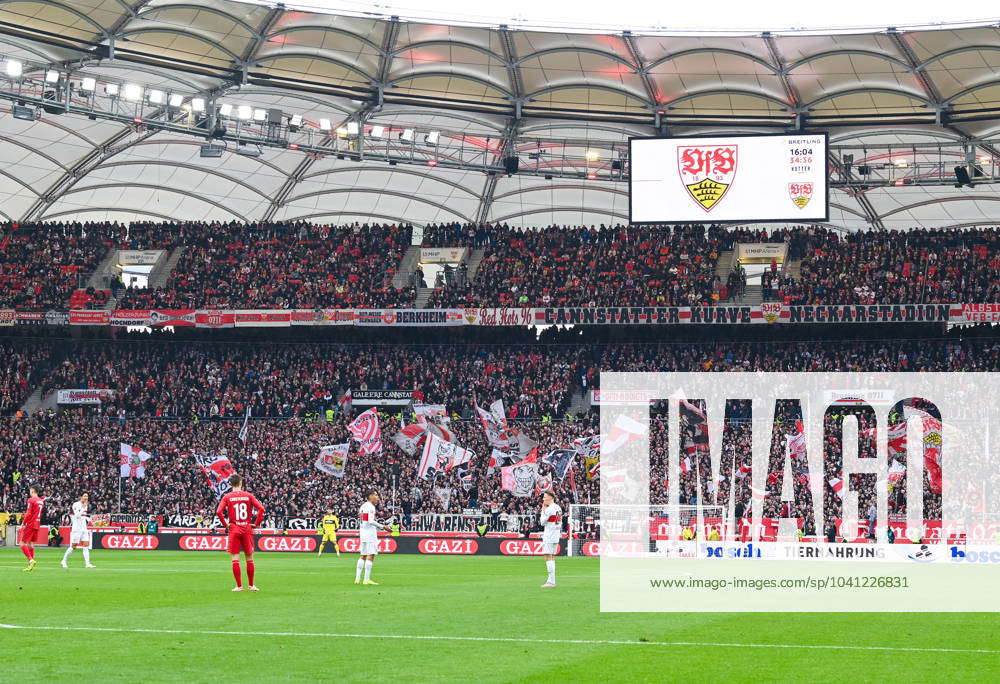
(761, 252)
(7, 317)
(766, 312)
(139, 257)
(442, 255)
(83, 396)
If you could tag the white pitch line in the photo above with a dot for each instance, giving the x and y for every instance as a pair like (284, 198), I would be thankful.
(517, 640)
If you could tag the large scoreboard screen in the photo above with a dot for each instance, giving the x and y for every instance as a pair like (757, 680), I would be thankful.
(729, 179)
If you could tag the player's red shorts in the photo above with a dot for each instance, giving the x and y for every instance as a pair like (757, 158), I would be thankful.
(28, 534)
(240, 539)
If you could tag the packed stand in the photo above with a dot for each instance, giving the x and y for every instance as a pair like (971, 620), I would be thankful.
(886, 267)
(40, 263)
(23, 365)
(275, 266)
(595, 266)
(77, 449)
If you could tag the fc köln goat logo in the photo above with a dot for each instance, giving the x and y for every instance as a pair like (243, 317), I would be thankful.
(707, 172)
(800, 193)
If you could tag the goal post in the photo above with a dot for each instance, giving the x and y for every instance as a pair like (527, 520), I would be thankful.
(661, 526)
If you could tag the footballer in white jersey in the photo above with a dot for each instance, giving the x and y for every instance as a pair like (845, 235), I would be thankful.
(368, 538)
(80, 534)
(550, 519)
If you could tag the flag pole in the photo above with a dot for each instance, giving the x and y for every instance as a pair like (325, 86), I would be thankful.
(119, 494)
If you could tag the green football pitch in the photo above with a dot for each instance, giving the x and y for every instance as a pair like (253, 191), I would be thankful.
(170, 616)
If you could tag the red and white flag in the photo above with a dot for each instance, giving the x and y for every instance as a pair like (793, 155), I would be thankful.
(931, 429)
(837, 484)
(345, 402)
(217, 471)
(519, 479)
(896, 471)
(410, 438)
(622, 432)
(332, 459)
(496, 431)
(797, 442)
(440, 456)
(366, 431)
(686, 465)
(133, 460)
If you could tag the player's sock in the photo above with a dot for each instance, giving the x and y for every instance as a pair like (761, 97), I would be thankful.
(551, 567)
(69, 552)
(320, 549)
(25, 549)
(86, 555)
(31, 553)
(236, 573)
(361, 568)
(368, 570)
(250, 569)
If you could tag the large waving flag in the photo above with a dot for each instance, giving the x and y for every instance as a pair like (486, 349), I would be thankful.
(495, 429)
(561, 460)
(133, 460)
(519, 479)
(624, 430)
(410, 438)
(332, 459)
(440, 456)
(217, 471)
(931, 428)
(366, 431)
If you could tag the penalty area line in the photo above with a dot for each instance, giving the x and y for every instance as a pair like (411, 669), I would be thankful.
(516, 640)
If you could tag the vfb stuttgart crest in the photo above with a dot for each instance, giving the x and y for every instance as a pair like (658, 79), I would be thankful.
(771, 311)
(707, 172)
(800, 193)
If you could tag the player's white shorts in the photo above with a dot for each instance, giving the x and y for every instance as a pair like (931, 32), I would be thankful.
(79, 536)
(369, 548)
(550, 549)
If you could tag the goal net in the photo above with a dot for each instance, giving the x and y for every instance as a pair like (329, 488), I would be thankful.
(642, 529)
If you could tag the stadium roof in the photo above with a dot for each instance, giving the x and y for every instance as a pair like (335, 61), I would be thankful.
(910, 101)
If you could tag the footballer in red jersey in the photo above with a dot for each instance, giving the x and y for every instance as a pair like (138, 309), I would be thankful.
(239, 512)
(29, 526)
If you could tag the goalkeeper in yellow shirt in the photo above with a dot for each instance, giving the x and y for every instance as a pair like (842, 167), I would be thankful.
(328, 526)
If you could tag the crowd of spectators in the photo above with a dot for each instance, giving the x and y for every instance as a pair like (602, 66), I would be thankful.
(606, 266)
(173, 399)
(21, 366)
(907, 266)
(40, 262)
(276, 266)
(301, 265)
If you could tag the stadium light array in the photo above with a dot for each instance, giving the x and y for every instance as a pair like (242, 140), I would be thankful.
(259, 114)
(295, 120)
(198, 104)
(14, 68)
(244, 112)
(377, 131)
(406, 135)
(352, 128)
(432, 137)
(225, 109)
(324, 125)
(592, 155)
(133, 92)
(156, 97)
(88, 84)
(51, 76)
(112, 89)
(176, 100)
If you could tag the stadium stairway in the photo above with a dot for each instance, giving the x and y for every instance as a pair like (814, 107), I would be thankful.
(406, 267)
(159, 275)
(474, 260)
(579, 403)
(724, 264)
(423, 295)
(105, 268)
